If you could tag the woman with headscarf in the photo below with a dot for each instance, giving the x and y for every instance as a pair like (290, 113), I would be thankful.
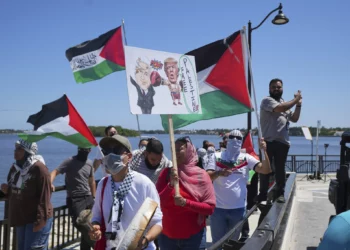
(28, 190)
(184, 215)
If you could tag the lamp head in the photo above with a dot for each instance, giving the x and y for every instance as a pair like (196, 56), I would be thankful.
(280, 18)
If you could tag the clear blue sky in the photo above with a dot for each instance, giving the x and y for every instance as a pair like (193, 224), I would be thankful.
(310, 53)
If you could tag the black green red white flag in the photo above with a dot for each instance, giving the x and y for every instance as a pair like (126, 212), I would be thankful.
(60, 119)
(97, 58)
(221, 75)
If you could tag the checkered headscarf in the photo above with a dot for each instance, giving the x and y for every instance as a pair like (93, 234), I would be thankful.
(29, 147)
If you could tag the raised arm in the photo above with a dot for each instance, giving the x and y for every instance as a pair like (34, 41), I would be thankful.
(283, 107)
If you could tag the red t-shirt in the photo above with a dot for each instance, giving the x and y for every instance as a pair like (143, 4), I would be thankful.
(180, 222)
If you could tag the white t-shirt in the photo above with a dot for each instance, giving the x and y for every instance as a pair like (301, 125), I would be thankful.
(231, 191)
(142, 187)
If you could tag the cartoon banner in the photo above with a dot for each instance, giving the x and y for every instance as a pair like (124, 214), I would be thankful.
(161, 82)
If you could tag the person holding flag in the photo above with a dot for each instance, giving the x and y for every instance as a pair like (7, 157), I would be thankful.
(230, 176)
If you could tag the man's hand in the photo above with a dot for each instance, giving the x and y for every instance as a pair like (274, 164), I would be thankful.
(225, 172)
(52, 188)
(96, 233)
(300, 101)
(97, 163)
(298, 96)
(143, 243)
(4, 188)
(262, 144)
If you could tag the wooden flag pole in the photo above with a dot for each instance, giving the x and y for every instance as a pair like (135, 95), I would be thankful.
(173, 153)
(125, 43)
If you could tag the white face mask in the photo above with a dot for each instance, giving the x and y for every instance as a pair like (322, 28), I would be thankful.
(233, 149)
(142, 147)
(114, 163)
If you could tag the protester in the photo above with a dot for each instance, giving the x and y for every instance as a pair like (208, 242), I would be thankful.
(184, 215)
(230, 185)
(28, 190)
(275, 115)
(150, 161)
(110, 131)
(143, 143)
(81, 188)
(202, 157)
(119, 197)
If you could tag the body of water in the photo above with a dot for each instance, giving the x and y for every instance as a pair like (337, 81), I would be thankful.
(55, 151)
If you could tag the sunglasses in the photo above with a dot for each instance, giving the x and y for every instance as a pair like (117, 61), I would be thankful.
(115, 150)
(112, 133)
(235, 137)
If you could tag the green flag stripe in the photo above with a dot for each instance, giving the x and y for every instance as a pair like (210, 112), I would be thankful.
(215, 104)
(99, 71)
(77, 139)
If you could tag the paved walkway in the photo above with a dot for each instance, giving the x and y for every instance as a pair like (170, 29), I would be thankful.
(309, 215)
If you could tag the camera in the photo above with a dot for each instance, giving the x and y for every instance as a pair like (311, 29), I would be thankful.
(339, 188)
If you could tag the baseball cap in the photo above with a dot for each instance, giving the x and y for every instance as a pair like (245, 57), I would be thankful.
(108, 142)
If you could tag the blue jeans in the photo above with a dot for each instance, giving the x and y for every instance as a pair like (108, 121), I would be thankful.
(27, 239)
(223, 220)
(192, 243)
(203, 244)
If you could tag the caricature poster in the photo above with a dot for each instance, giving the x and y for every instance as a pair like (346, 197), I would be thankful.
(161, 82)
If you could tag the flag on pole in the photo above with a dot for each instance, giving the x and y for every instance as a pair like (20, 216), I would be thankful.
(94, 59)
(61, 120)
(222, 81)
(248, 145)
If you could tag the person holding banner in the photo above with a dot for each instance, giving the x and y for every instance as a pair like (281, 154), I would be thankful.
(230, 175)
(275, 115)
(184, 215)
(119, 197)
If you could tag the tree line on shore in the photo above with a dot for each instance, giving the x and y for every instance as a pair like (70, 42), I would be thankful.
(98, 131)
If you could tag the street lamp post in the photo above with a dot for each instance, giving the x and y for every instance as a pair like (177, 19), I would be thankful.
(279, 19)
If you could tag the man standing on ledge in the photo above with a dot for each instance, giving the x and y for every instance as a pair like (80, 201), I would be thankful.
(275, 115)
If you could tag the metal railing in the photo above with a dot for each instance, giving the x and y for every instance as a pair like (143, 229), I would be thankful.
(62, 233)
(328, 164)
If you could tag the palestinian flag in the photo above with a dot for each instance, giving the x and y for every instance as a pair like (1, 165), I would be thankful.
(248, 145)
(94, 59)
(61, 120)
(221, 79)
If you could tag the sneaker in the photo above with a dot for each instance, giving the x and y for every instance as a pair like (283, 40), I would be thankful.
(179, 103)
(174, 103)
(281, 199)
